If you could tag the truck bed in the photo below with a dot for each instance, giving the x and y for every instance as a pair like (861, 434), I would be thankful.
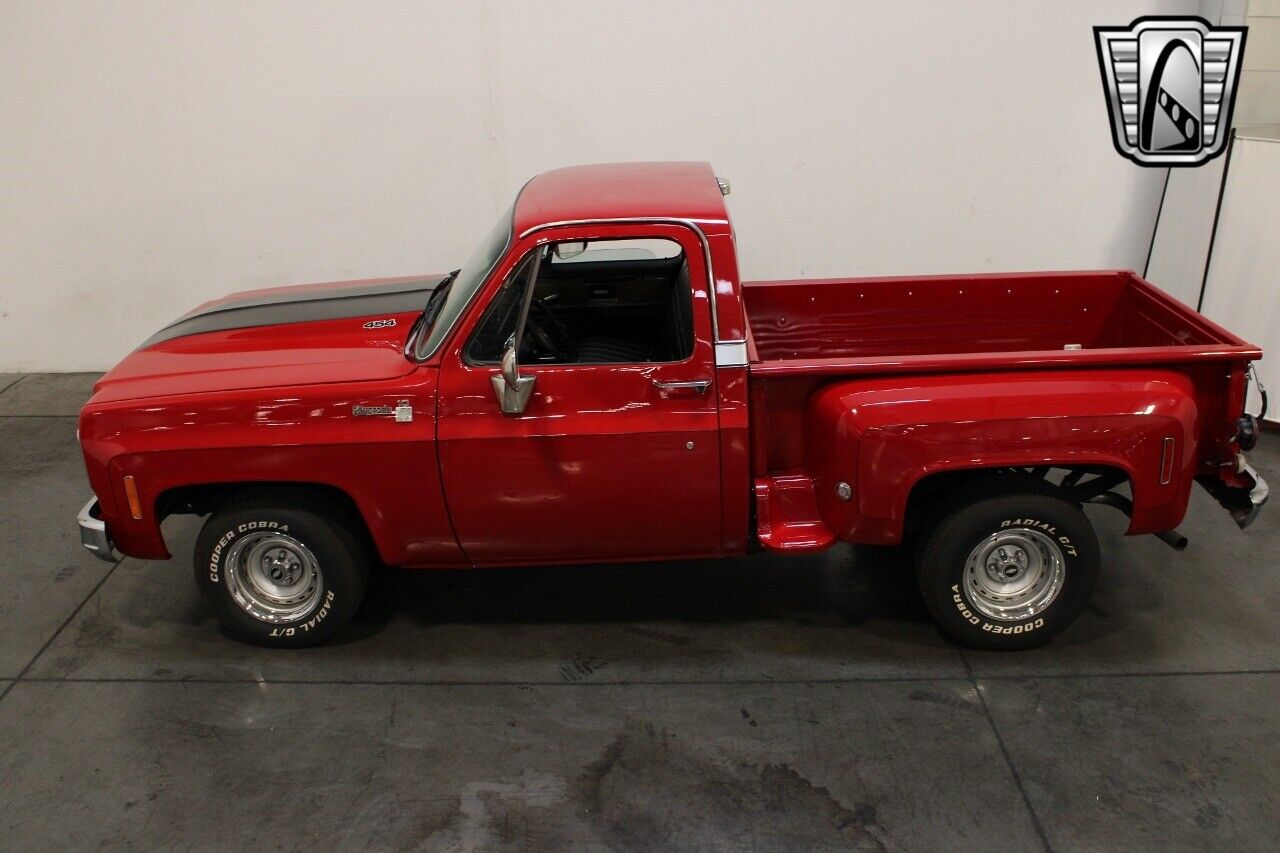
(968, 322)
(804, 334)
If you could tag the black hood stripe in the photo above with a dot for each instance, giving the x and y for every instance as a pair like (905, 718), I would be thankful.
(309, 306)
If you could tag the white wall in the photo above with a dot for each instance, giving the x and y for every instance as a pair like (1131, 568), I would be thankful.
(156, 154)
(1184, 230)
(1240, 291)
(1189, 209)
(1259, 97)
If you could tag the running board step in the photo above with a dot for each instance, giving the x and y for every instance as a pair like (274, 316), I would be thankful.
(787, 515)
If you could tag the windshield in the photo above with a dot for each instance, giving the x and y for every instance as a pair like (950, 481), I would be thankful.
(473, 274)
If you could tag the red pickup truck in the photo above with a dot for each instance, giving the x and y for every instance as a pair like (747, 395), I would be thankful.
(595, 384)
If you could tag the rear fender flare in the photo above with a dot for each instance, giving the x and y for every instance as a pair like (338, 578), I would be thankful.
(886, 438)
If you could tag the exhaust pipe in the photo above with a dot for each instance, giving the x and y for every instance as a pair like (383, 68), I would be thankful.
(1172, 538)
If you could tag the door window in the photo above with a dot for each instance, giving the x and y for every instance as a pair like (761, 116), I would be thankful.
(596, 302)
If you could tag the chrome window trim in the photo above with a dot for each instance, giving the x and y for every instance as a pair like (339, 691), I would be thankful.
(652, 220)
(411, 345)
(469, 362)
(626, 220)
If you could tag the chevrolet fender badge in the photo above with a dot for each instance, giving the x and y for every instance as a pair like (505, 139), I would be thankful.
(403, 412)
(381, 324)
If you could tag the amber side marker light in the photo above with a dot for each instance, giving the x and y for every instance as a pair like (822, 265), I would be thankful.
(131, 493)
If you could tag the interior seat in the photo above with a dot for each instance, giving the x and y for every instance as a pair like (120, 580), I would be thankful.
(677, 324)
(675, 335)
(602, 349)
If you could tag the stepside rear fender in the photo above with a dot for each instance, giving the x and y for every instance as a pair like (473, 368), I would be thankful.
(883, 436)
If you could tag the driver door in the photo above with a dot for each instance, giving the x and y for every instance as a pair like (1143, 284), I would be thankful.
(613, 458)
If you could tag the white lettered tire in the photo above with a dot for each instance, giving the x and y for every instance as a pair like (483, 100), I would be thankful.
(1008, 570)
(277, 574)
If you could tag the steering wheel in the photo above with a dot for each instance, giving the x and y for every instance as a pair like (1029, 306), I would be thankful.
(549, 334)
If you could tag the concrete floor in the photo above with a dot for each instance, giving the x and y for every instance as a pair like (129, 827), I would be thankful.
(746, 704)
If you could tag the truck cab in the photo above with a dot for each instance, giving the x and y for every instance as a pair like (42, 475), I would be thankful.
(596, 384)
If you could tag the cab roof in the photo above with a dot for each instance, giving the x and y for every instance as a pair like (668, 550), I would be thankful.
(679, 190)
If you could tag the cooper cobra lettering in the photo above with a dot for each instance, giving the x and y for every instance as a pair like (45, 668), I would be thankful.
(215, 559)
(1020, 628)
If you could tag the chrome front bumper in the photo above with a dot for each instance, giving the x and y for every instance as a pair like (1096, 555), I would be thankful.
(93, 532)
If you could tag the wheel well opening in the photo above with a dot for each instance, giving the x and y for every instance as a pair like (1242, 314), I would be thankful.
(207, 498)
(1078, 483)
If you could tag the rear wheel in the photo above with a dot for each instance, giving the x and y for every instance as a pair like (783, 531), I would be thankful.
(277, 574)
(1008, 570)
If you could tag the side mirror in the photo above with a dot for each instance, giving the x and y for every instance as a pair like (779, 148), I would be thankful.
(565, 251)
(510, 368)
(512, 389)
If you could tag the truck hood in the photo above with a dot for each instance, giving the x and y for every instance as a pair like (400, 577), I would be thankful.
(345, 331)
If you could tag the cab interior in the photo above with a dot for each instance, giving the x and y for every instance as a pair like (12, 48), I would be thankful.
(612, 303)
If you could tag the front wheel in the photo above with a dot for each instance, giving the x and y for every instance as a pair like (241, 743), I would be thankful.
(280, 575)
(1009, 571)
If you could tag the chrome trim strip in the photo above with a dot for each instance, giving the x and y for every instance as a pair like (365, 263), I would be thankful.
(93, 532)
(652, 220)
(1166, 462)
(731, 354)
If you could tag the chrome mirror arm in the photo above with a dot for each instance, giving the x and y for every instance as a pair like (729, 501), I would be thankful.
(512, 389)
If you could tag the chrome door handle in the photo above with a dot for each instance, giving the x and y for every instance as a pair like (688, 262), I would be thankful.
(697, 386)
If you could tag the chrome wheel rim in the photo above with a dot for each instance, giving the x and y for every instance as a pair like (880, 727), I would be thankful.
(273, 577)
(1014, 574)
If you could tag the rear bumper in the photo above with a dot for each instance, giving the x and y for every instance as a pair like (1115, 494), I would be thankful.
(1243, 501)
(1257, 497)
(93, 532)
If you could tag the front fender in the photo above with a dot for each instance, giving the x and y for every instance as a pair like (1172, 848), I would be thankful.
(883, 437)
(308, 434)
